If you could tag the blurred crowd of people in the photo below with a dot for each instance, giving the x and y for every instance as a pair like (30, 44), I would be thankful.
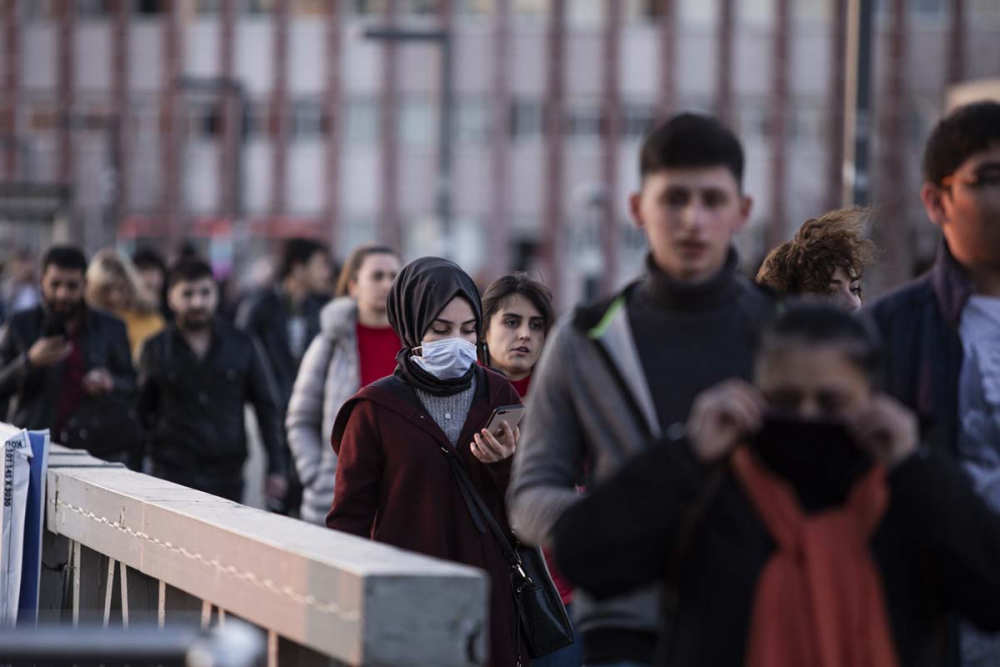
(718, 471)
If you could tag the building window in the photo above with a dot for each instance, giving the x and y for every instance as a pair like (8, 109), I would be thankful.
(472, 121)
(638, 119)
(209, 7)
(92, 9)
(368, 6)
(149, 7)
(474, 6)
(308, 120)
(537, 7)
(527, 120)
(256, 120)
(261, 6)
(417, 122)
(929, 8)
(642, 10)
(205, 120)
(584, 121)
(361, 122)
(420, 6)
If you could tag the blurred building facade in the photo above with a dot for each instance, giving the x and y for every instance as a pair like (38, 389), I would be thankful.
(241, 121)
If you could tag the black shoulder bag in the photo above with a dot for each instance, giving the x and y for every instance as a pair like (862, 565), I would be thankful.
(543, 618)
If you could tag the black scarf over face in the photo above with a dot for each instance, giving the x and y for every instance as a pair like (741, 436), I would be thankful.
(420, 292)
(819, 459)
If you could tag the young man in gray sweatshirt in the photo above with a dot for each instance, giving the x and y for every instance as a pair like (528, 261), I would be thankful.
(618, 376)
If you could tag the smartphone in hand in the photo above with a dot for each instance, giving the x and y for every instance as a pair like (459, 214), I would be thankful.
(509, 414)
(54, 327)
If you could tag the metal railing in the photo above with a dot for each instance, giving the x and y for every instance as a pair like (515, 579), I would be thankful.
(122, 548)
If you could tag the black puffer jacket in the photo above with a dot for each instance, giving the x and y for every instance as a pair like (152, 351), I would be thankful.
(32, 393)
(193, 409)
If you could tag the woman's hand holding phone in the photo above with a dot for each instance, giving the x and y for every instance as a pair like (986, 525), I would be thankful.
(489, 449)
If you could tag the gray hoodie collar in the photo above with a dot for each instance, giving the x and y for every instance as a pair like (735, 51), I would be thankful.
(614, 334)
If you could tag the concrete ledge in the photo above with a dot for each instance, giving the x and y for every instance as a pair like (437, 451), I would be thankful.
(345, 597)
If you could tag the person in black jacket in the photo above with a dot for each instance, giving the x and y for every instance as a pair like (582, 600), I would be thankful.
(60, 358)
(921, 543)
(943, 330)
(284, 320)
(195, 378)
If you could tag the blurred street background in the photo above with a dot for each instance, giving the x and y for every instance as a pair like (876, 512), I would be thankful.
(501, 133)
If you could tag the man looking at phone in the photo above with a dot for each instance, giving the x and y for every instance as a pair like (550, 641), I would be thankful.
(617, 375)
(943, 330)
(54, 356)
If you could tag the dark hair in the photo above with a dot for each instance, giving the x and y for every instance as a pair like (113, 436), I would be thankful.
(503, 289)
(958, 136)
(148, 258)
(815, 323)
(354, 262)
(64, 257)
(187, 270)
(298, 251)
(806, 264)
(691, 140)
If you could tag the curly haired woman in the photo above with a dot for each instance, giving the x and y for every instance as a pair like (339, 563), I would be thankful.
(828, 256)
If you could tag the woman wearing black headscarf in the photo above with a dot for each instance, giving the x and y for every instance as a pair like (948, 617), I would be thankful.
(394, 483)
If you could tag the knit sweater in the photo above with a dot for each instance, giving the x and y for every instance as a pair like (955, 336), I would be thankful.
(449, 412)
(691, 337)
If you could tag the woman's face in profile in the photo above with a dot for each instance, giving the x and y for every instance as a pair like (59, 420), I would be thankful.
(457, 320)
(845, 290)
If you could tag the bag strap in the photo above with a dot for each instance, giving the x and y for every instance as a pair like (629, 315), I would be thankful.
(477, 507)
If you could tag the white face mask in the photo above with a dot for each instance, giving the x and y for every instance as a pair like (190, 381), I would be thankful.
(446, 359)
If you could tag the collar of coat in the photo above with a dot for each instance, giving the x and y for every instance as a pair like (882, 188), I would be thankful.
(339, 318)
(952, 285)
(398, 397)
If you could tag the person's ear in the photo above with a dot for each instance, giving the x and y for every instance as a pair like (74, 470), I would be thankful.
(352, 289)
(746, 206)
(932, 195)
(635, 207)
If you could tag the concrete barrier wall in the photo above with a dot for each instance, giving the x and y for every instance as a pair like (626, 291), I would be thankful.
(338, 596)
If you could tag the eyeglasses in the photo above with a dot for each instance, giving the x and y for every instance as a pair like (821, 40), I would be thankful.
(987, 176)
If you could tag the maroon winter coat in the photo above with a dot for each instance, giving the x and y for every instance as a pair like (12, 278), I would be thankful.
(395, 486)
